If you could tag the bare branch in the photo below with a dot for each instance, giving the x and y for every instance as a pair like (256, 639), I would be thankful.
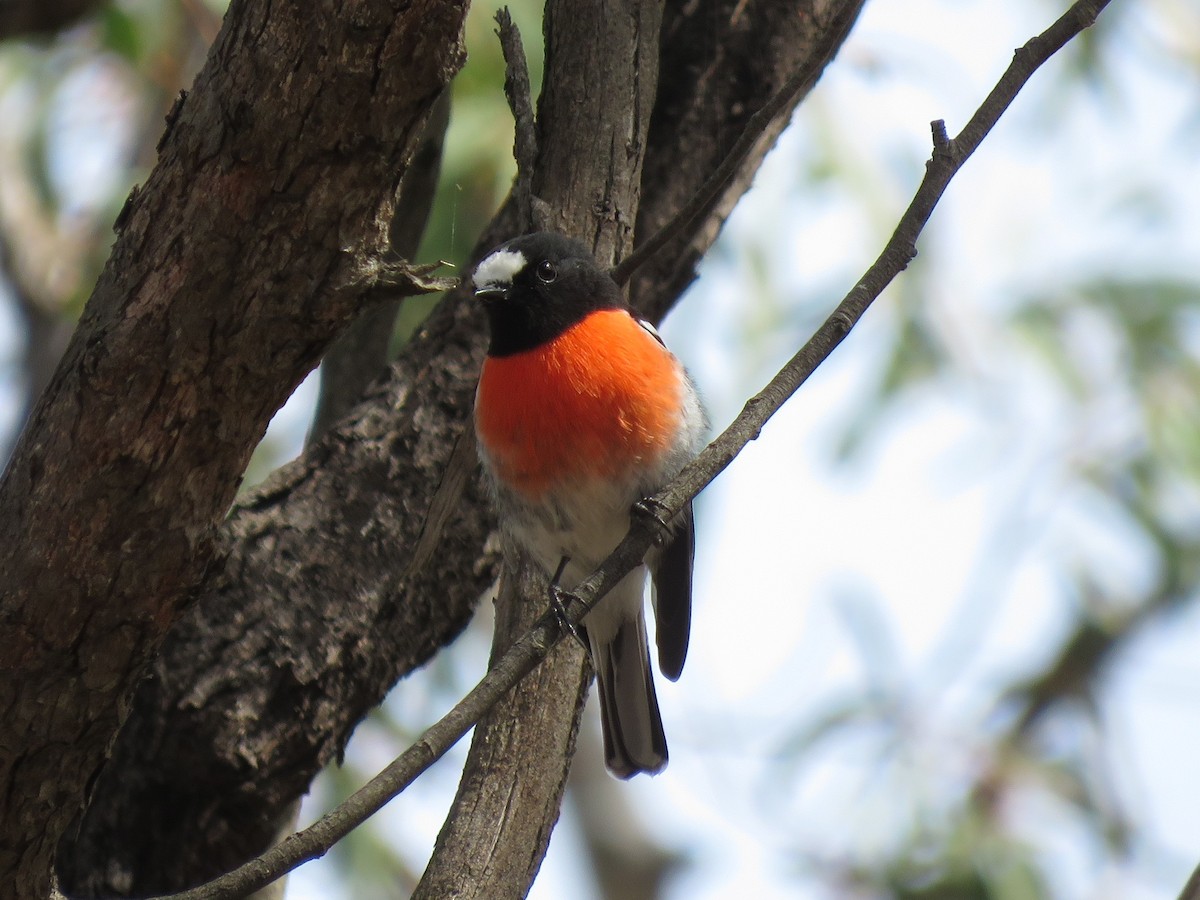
(517, 90)
(533, 646)
(497, 829)
(722, 60)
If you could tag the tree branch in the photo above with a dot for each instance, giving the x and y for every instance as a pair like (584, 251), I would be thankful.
(722, 60)
(260, 683)
(947, 159)
(533, 646)
(517, 91)
(596, 117)
(235, 266)
(497, 829)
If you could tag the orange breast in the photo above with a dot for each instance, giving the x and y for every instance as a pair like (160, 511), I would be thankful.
(601, 399)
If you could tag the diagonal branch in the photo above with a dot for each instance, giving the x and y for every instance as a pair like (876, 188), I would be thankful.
(947, 159)
(517, 91)
(704, 201)
(722, 60)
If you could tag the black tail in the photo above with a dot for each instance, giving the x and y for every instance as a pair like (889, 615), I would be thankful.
(673, 595)
(633, 732)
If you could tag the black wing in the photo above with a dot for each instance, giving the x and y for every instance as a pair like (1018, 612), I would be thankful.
(673, 595)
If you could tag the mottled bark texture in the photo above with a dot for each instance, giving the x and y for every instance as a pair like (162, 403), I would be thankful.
(354, 564)
(236, 263)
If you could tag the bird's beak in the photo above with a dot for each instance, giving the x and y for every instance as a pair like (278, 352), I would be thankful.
(486, 292)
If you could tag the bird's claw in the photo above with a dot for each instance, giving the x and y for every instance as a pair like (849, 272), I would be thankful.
(558, 603)
(653, 509)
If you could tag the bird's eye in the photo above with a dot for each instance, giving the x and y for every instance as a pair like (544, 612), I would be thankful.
(546, 271)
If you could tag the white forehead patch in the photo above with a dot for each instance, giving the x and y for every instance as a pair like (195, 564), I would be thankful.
(499, 268)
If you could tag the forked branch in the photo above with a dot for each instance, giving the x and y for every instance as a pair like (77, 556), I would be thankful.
(948, 157)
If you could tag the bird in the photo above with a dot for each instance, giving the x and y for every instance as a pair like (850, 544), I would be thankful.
(581, 412)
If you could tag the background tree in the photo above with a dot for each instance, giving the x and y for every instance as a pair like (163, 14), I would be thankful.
(230, 735)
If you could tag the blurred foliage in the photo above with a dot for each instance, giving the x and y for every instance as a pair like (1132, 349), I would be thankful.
(931, 814)
(1115, 344)
(79, 117)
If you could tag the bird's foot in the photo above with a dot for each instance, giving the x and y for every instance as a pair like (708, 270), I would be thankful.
(558, 598)
(650, 508)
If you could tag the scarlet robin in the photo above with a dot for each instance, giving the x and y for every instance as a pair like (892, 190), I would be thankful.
(581, 411)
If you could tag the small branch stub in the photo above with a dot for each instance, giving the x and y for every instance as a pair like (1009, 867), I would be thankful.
(941, 140)
(400, 278)
(517, 90)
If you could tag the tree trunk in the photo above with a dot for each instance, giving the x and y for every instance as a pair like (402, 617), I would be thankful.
(235, 265)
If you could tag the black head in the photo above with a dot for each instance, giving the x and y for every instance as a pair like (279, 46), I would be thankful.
(536, 287)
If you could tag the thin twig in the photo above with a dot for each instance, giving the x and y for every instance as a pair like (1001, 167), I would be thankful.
(517, 90)
(948, 157)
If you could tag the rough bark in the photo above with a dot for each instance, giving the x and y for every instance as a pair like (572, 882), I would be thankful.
(165, 785)
(261, 682)
(317, 605)
(353, 361)
(235, 265)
